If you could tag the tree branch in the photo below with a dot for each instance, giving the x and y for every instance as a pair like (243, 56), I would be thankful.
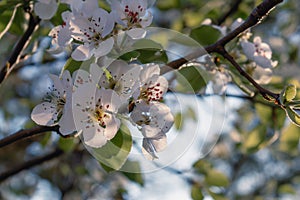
(29, 164)
(22, 134)
(21, 45)
(264, 92)
(258, 13)
(261, 11)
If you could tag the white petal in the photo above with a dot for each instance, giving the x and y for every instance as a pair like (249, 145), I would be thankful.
(109, 99)
(94, 136)
(262, 75)
(82, 77)
(66, 79)
(136, 33)
(146, 21)
(160, 142)
(112, 127)
(44, 10)
(263, 61)
(82, 53)
(104, 47)
(249, 49)
(44, 114)
(149, 71)
(148, 150)
(66, 122)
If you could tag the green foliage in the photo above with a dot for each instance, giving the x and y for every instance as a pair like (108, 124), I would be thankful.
(150, 51)
(191, 79)
(286, 189)
(114, 153)
(216, 178)
(293, 114)
(288, 94)
(67, 144)
(71, 65)
(254, 139)
(272, 117)
(205, 34)
(132, 170)
(289, 139)
(196, 192)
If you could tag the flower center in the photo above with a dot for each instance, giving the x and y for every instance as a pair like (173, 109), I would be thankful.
(151, 93)
(100, 114)
(133, 16)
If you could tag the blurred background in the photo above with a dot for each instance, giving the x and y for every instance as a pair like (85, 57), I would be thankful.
(241, 148)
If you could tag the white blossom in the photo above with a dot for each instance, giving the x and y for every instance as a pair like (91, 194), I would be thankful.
(95, 112)
(122, 78)
(154, 119)
(57, 106)
(259, 52)
(93, 32)
(133, 15)
(153, 86)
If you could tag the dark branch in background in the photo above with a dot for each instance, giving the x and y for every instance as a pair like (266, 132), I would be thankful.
(29, 164)
(20, 46)
(233, 8)
(261, 11)
(22, 134)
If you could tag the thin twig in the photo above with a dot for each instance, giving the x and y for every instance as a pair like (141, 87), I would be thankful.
(29, 164)
(21, 45)
(22, 134)
(264, 92)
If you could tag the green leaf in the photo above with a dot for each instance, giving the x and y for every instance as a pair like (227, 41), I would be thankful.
(293, 115)
(132, 170)
(71, 65)
(286, 189)
(289, 139)
(114, 153)
(191, 79)
(150, 51)
(66, 144)
(129, 56)
(196, 192)
(205, 34)
(216, 178)
(202, 166)
(288, 94)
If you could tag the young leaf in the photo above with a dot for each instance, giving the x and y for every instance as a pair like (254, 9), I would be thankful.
(293, 114)
(288, 94)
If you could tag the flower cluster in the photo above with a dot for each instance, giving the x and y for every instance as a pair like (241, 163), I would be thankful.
(94, 103)
(258, 53)
(92, 29)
